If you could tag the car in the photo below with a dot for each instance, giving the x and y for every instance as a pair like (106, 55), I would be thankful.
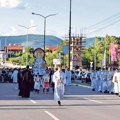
(72, 75)
(85, 76)
(76, 74)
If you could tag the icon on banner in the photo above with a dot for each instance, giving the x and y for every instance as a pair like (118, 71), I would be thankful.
(75, 58)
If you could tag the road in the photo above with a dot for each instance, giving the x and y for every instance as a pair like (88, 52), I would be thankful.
(79, 103)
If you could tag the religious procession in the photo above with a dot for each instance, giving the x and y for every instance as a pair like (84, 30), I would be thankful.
(107, 80)
(39, 79)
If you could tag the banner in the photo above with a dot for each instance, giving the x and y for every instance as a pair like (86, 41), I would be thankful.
(114, 51)
(66, 49)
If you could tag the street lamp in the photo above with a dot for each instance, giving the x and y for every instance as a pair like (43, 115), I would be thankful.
(45, 17)
(27, 28)
(69, 33)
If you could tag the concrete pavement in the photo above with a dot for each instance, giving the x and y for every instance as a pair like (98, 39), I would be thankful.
(79, 103)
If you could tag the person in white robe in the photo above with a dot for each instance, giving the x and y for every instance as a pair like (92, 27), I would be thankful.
(98, 80)
(93, 80)
(15, 76)
(59, 79)
(109, 81)
(68, 76)
(37, 83)
(115, 82)
(104, 85)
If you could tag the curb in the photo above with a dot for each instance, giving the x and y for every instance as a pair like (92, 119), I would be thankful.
(82, 86)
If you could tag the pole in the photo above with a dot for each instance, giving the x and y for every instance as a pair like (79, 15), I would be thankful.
(69, 33)
(45, 17)
(95, 55)
(27, 28)
(44, 32)
(27, 49)
(105, 54)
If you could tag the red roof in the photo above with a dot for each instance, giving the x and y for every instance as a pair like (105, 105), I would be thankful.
(14, 47)
(52, 48)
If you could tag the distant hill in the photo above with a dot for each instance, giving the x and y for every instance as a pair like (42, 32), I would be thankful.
(89, 41)
(34, 40)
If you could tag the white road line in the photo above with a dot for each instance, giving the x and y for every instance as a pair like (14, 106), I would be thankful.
(94, 100)
(51, 115)
(32, 101)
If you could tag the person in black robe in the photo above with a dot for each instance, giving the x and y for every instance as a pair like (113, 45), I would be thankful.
(26, 83)
(20, 80)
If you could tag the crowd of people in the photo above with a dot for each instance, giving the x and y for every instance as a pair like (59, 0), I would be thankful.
(106, 81)
(27, 81)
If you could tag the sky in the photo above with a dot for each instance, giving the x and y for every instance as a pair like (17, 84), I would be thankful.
(89, 17)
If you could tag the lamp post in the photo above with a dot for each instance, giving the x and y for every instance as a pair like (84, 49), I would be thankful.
(27, 28)
(45, 17)
(69, 33)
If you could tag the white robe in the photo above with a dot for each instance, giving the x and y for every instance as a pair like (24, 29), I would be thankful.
(116, 81)
(68, 77)
(36, 83)
(59, 87)
(15, 76)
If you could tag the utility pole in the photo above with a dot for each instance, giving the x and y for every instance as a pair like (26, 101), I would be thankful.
(69, 34)
(95, 55)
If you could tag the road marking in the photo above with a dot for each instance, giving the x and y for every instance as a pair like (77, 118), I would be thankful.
(32, 101)
(51, 115)
(94, 100)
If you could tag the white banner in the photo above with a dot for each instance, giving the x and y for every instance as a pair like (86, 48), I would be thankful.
(56, 61)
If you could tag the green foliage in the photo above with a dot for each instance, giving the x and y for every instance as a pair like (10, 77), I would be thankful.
(88, 54)
(99, 48)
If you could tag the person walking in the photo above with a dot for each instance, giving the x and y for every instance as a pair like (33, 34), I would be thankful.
(46, 79)
(59, 80)
(26, 83)
(37, 83)
(68, 76)
(15, 76)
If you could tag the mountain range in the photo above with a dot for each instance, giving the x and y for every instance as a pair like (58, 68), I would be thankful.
(34, 40)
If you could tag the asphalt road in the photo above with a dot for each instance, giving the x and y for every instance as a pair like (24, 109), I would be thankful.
(79, 103)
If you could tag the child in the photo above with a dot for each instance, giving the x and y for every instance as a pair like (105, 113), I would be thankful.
(46, 79)
(37, 83)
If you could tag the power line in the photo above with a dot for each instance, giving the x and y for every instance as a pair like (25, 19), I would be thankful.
(107, 20)
(104, 26)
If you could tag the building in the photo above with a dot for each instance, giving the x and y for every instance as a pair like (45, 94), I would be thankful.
(3, 56)
(13, 48)
(52, 48)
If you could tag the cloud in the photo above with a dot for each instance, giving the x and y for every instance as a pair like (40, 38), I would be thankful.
(16, 4)
(9, 3)
(12, 32)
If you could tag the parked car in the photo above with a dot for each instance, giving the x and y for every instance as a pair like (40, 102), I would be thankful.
(72, 75)
(85, 76)
(76, 74)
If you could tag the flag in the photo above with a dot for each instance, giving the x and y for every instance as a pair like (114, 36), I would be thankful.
(114, 51)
